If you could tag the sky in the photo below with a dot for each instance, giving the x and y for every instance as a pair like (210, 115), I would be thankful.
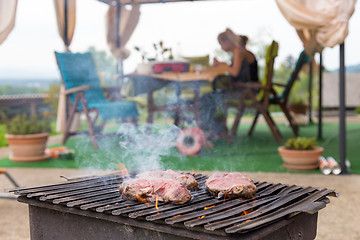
(190, 29)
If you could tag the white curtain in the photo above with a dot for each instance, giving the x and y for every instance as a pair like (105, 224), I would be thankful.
(128, 21)
(319, 23)
(60, 19)
(71, 21)
(7, 17)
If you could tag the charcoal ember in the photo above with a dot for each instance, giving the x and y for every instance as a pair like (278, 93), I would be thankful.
(147, 190)
(187, 180)
(230, 185)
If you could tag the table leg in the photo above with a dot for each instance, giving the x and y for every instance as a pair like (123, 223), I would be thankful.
(150, 99)
(178, 103)
(197, 102)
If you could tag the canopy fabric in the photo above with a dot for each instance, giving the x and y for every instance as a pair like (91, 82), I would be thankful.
(7, 17)
(319, 23)
(60, 18)
(127, 24)
(125, 2)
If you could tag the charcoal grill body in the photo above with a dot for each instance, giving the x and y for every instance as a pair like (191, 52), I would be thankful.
(74, 211)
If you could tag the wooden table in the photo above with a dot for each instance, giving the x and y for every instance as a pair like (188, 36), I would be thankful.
(194, 77)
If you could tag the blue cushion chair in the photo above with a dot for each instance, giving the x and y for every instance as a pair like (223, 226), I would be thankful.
(85, 94)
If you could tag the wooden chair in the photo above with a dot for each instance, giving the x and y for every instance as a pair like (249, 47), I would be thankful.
(281, 97)
(84, 95)
(257, 96)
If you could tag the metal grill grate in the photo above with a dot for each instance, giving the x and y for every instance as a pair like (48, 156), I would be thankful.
(271, 203)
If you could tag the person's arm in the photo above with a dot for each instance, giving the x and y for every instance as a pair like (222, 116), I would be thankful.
(233, 70)
(238, 58)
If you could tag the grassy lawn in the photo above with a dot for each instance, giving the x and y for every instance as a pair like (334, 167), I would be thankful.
(252, 154)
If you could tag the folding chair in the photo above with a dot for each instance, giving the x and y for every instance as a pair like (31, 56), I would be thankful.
(85, 95)
(256, 95)
(281, 98)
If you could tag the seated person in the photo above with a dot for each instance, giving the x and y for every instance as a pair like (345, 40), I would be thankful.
(242, 69)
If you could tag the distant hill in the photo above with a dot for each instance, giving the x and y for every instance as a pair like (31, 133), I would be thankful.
(350, 69)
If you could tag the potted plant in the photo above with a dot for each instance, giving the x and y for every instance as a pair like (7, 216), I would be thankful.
(297, 104)
(27, 137)
(300, 153)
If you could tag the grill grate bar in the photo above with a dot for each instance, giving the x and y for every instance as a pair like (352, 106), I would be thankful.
(293, 208)
(75, 192)
(23, 191)
(86, 195)
(271, 203)
(166, 207)
(171, 214)
(219, 212)
(217, 208)
(186, 209)
(75, 188)
(276, 203)
(121, 204)
(94, 199)
(100, 203)
(220, 216)
(135, 208)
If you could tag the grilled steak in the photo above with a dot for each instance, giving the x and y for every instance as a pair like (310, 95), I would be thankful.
(187, 180)
(230, 185)
(148, 190)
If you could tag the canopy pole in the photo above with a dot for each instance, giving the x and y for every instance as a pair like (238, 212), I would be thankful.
(119, 67)
(342, 115)
(310, 90)
(320, 99)
(66, 25)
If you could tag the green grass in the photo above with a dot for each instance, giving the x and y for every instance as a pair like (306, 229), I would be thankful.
(250, 154)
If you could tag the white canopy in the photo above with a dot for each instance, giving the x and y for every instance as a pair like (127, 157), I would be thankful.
(319, 23)
(7, 17)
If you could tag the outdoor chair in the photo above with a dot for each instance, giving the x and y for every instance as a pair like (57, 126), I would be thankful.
(84, 94)
(256, 95)
(280, 94)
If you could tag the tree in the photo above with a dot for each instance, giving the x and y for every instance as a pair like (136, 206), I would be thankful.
(105, 65)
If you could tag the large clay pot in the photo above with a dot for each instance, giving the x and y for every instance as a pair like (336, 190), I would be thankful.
(28, 147)
(300, 159)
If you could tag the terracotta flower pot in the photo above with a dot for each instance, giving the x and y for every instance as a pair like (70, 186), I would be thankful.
(300, 159)
(297, 108)
(28, 147)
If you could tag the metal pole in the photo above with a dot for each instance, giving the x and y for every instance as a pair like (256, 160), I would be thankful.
(66, 24)
(119, 66)
(310, 90)
(342, 115)
(320, 100)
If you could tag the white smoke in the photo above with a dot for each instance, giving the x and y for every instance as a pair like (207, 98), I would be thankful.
(143, 145)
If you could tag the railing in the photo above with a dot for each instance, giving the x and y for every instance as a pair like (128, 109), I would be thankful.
(33, 100)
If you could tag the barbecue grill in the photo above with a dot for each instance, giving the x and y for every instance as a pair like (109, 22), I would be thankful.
(91, 208)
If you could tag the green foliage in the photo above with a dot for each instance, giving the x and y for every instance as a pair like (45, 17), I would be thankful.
(22, 124)
(3, 141)
(105, 65)
(300, 143)
(53, 98)
(357, 110)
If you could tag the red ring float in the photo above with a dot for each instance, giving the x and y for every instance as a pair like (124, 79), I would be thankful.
(190, 140)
